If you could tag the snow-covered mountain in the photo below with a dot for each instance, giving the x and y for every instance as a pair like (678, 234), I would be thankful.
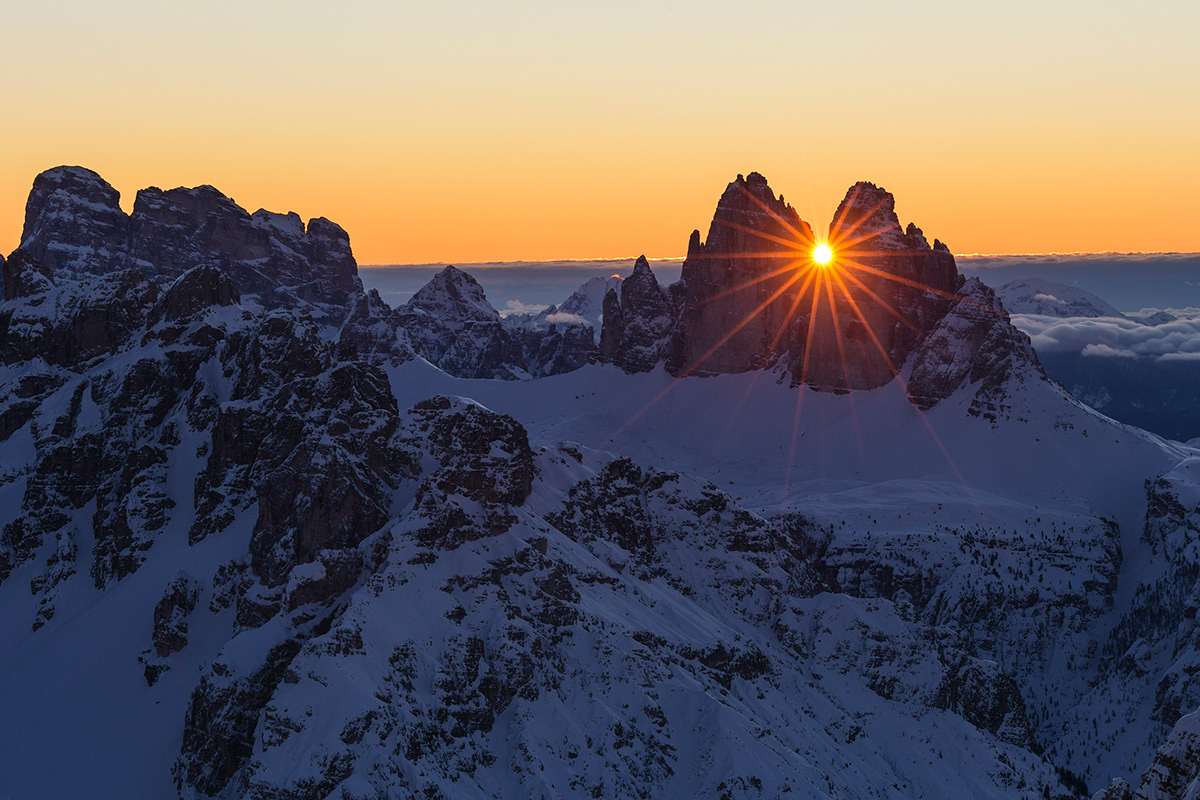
(264, 536)
(1134, 367)
(1048, 299)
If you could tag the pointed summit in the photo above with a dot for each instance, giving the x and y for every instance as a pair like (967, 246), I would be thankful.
(867, 217)
(752, 239)
(755, 296)
(455, 297)
(637, 321)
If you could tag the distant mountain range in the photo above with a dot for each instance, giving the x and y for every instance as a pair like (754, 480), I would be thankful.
(770, 530)
(1131, 281)
(1088, 348)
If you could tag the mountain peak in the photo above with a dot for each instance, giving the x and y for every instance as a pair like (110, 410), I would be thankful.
(455, 295)
(81, 185)
(1038, 296)
(74, 227)
(752, 297)
(73, 221)
(867, 216)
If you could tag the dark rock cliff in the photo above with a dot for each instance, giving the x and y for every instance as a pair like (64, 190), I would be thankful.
(75, 228)
(753, 297)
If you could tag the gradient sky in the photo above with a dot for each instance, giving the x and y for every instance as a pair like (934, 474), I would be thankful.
(470, 131)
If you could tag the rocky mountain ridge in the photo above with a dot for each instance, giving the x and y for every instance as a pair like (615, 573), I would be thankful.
(751, 298)
(317, 547)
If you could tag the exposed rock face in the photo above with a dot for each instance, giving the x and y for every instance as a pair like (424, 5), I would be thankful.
(171, 614)
(74, 224)
(884, 291)
(74, 324)
(24, 276)
(486, 469)
(637, 322)
(1175, 773)
(193, 293)
(453, 326)
(555, 347)
(981, 693)
(751, 297)
(369, 333)
(973, 343)
(271, 445)
(733, 294)
(76, 228)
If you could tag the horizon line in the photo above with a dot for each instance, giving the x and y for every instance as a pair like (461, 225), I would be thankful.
(969, 256)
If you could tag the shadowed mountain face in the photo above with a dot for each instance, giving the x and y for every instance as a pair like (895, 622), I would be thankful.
(75, 228)
(752, 297)
(738, 287)
(884, 291)
(311, 549)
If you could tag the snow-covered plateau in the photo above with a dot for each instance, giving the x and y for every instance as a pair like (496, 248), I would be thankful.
(264, 536)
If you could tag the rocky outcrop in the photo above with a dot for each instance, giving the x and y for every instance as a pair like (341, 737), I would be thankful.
(74, 224)
(75, 227)
(486, 468)
(637, 322)
(271, 446)
(736, 292)
(984, 695)
(451, 324)
(974, 343)
(24, 276)
(369, 333)
(554, 347)
(195, 292)
(75, 323)
(1175, 772)
(751, 296)
(884, 291)
(222, 717)
(171, 614)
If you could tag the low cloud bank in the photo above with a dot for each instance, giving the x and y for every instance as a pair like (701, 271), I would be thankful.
(1112, 337)
(563, 318)
(517, 307)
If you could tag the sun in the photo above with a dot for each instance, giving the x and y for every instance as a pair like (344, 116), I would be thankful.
(822, 254)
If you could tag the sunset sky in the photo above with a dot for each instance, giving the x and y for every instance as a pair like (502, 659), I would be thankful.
(471, 131)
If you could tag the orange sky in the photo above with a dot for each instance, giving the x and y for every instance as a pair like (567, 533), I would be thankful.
(473, 131)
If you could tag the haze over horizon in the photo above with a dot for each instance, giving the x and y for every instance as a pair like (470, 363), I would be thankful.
(465, 132)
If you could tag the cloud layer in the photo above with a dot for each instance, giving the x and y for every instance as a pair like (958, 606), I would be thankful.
(1111, 337)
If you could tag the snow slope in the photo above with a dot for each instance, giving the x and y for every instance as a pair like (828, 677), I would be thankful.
(270, 550)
